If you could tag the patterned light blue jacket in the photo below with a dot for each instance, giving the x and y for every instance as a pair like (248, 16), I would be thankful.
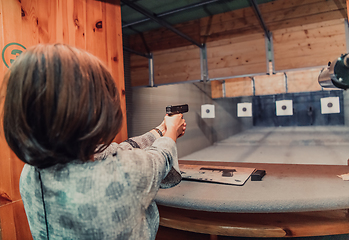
(109, 198)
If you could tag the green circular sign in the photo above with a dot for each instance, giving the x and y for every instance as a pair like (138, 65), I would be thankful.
(10, 52)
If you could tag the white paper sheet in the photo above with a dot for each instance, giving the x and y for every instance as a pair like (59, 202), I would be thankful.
(330, 105)
(244, 109)
(284, 108)
(207, 111)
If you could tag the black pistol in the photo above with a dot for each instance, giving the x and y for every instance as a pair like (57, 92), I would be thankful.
(171, 110)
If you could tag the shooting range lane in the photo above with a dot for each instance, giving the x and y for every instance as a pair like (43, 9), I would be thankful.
(289, 145)
(301, 163)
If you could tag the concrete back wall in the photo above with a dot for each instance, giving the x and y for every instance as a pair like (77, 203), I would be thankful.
(146, 109)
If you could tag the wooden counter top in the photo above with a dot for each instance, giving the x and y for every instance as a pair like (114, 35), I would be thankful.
(284, 188)
(292, 200)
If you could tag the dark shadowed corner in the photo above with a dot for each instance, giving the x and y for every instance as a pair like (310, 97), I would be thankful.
(115, 2)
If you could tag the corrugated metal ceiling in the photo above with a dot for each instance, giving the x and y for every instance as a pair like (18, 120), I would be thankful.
(175, 11)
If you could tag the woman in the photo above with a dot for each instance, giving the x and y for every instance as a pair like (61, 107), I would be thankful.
(61, 114)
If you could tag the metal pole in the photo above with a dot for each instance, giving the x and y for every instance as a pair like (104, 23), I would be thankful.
(203, 63)
(151, 70)
(253, 86)
(272, 52)
(259, 15)
(286, 84)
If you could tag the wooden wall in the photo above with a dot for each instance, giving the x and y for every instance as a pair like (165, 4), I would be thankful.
(309, 45)
(163, 38)
(237, 56)
(87, 24)
(226, 57)
(288, 82)
(277, 14)
(238, 87)
(170, 66)
(177, 65)
(305, 33)
(139, 68)
(270, 84)
(303, 81)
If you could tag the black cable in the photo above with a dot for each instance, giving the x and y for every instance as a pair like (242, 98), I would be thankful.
(43, 203)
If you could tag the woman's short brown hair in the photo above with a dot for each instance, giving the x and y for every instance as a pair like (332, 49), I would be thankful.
(61, 104)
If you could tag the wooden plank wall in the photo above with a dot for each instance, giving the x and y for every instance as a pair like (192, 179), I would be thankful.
(217, 89)
(286, 14)
(305, 34)
(279, 14)
(170, 66)
(225, 57)
(177, 65)
(229, 25)
(139, 68)
(303, 81)
(270, 84)
(297, 81)
(237, 56)
(163, 38)
(238, 87)
(29, 22)
(292, 22)
(309, 45)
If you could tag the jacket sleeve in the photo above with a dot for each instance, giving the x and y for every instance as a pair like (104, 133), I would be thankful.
(142, 141)
(150, 167)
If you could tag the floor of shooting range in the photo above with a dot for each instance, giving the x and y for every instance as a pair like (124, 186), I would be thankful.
(289, 145)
